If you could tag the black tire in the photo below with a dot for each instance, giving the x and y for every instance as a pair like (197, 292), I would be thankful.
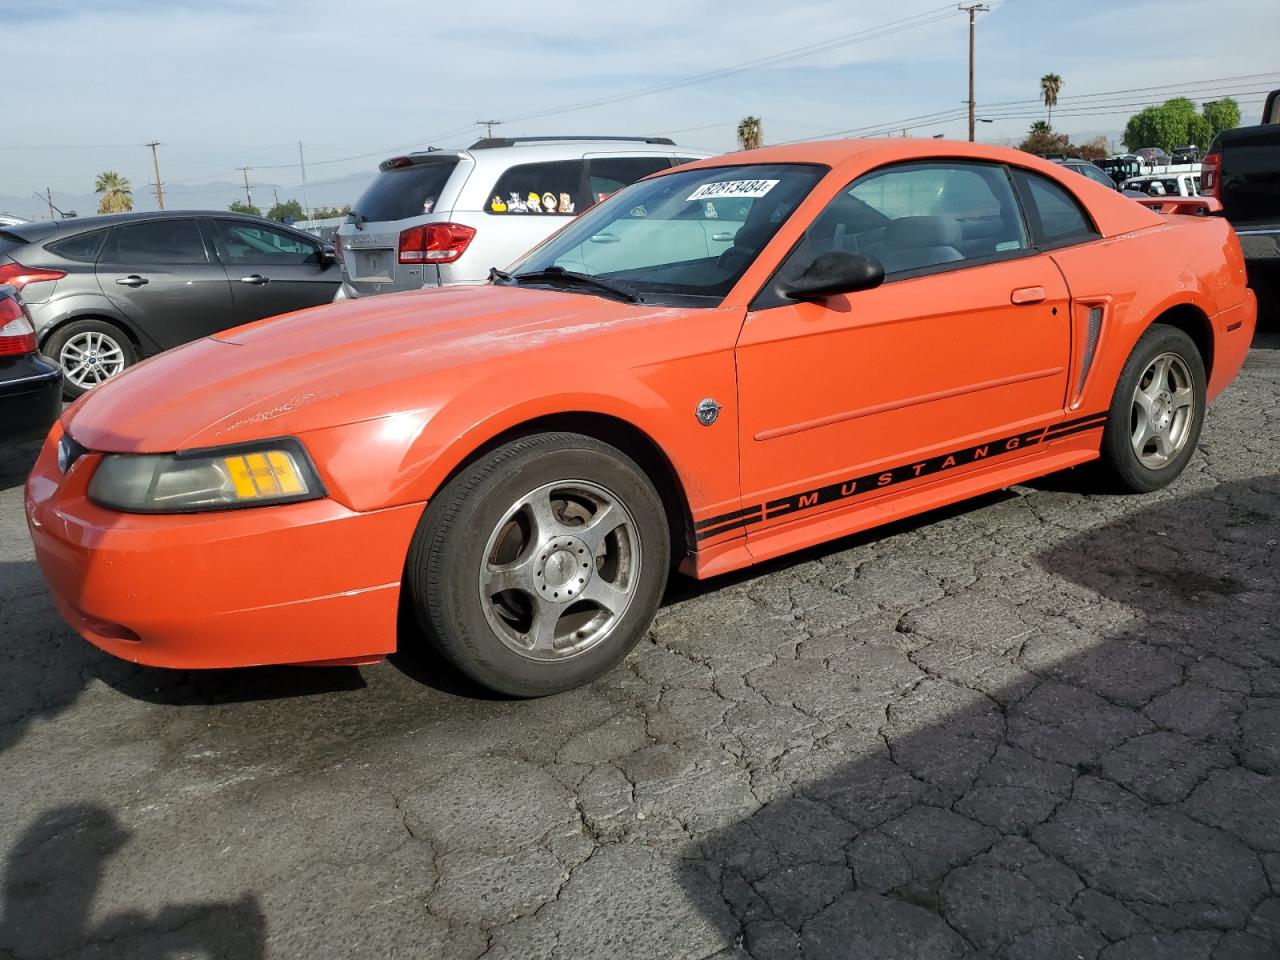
(53, 349)
(448, 556)
(1122, 469)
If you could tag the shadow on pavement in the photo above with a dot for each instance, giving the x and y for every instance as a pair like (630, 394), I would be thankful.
(56, 872)
(1058, 787)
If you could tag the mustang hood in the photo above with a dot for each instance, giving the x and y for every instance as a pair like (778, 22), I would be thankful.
(329, 365)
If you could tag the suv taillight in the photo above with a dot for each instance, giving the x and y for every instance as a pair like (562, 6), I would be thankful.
(1211, 176)
(16, 333)
(18, 276)
(435, 242)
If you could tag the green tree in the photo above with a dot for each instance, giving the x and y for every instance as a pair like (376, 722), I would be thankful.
(240, 206)
(750, 133)
(1176, 122)
(117, 192)
(1221, 114)
(289, 208)
(1050, 87)
(1043, 142)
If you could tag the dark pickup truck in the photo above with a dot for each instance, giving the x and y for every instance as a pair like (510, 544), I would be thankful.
(1242, 170)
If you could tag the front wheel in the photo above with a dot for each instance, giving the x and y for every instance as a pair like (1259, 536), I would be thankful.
(1156, 413)
(538, 568)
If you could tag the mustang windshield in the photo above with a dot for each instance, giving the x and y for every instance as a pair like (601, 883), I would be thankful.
(684, 238)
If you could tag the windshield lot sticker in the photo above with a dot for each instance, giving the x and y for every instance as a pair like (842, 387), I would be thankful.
(733, 188)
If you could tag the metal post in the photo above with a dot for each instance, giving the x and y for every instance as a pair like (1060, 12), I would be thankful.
(155, 160)
(306, 204)
(972, 9)
(248, 198)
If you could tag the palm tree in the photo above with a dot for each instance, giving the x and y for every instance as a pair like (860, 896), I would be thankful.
(1050, 87)
(750, 133)
(1040, 128)
(117, 193)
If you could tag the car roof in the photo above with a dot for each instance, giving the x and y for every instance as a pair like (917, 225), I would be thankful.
(535, 148)
(43, 229)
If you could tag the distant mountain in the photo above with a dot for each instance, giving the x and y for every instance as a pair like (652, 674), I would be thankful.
(215, 195)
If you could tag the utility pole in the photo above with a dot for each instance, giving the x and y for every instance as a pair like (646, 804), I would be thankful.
(488, 126)
(248, 198)
(155, 160)
(306, 204)
(48, 195)
(972, 9)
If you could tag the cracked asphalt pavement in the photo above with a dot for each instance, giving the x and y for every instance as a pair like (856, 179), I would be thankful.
(1044, 724)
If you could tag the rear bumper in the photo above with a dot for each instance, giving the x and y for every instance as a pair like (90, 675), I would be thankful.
(30, 397)
(300, 583)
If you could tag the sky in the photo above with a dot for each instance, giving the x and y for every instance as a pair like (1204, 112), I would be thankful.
(224, 84)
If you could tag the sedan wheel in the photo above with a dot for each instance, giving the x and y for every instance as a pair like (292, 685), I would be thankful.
(560, 570)
(538, 567)
(91, 357)
(1157, 411)
(1163, 411)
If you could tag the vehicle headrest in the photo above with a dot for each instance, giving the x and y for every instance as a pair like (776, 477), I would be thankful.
(922, 232)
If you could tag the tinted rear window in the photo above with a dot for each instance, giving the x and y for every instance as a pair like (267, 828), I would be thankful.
(84, 247)
(404, 192)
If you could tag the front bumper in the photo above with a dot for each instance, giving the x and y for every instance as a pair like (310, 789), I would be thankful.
(301, 583)
(30, 397)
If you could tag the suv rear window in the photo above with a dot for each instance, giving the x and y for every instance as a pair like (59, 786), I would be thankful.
(399, 193)
(552, 187)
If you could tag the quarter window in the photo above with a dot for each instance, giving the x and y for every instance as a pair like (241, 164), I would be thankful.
(255, 243)
(83, 248)
(1061, 218)
(553, 188)
(155, 241)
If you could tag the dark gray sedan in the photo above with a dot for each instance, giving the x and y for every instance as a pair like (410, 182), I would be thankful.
(105, 292)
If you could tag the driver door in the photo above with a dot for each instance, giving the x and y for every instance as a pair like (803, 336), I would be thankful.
(967, 340)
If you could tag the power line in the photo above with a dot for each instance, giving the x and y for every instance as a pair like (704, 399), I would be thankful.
(862, 36)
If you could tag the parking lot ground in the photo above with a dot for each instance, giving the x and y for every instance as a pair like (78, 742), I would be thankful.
(1044, 724)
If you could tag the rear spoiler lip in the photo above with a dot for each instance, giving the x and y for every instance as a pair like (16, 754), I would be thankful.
(1187, 206)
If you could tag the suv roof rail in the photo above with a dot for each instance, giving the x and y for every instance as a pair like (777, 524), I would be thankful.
(488, 143)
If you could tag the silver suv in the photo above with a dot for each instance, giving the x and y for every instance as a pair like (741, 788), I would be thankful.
(447, 216)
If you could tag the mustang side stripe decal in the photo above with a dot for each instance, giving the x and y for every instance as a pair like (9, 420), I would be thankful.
(844, 489)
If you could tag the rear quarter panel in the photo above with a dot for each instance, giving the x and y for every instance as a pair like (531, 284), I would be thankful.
(1138, 276)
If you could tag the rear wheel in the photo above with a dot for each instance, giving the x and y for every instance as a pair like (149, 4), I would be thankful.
(538, 568)
(1156, 413)
(90, 352)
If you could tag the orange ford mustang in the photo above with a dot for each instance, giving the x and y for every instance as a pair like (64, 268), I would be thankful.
(732, 360)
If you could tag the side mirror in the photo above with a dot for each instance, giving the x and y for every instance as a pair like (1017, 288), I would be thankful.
(834, 273)
(327, 256)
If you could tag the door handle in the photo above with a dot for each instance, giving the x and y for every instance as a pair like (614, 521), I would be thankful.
(256, 279)
(133, 280)
(605, 238)
(722, 236)
(1025, 295)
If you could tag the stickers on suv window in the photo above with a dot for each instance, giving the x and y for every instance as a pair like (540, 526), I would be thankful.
(733, 188)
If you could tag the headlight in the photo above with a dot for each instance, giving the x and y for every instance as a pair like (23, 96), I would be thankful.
(224, 478)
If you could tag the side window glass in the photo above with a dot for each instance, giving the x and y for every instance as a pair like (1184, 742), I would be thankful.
(608, 175)
(83, 248)
(155, 241)
(1062, 219)
(254, 243)
(917, 216)
(539, 188)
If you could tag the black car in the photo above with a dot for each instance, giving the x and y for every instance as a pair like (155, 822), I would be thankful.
(30, 386)
(104, 292)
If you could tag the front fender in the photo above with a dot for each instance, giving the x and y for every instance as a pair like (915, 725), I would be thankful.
(405, 457)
